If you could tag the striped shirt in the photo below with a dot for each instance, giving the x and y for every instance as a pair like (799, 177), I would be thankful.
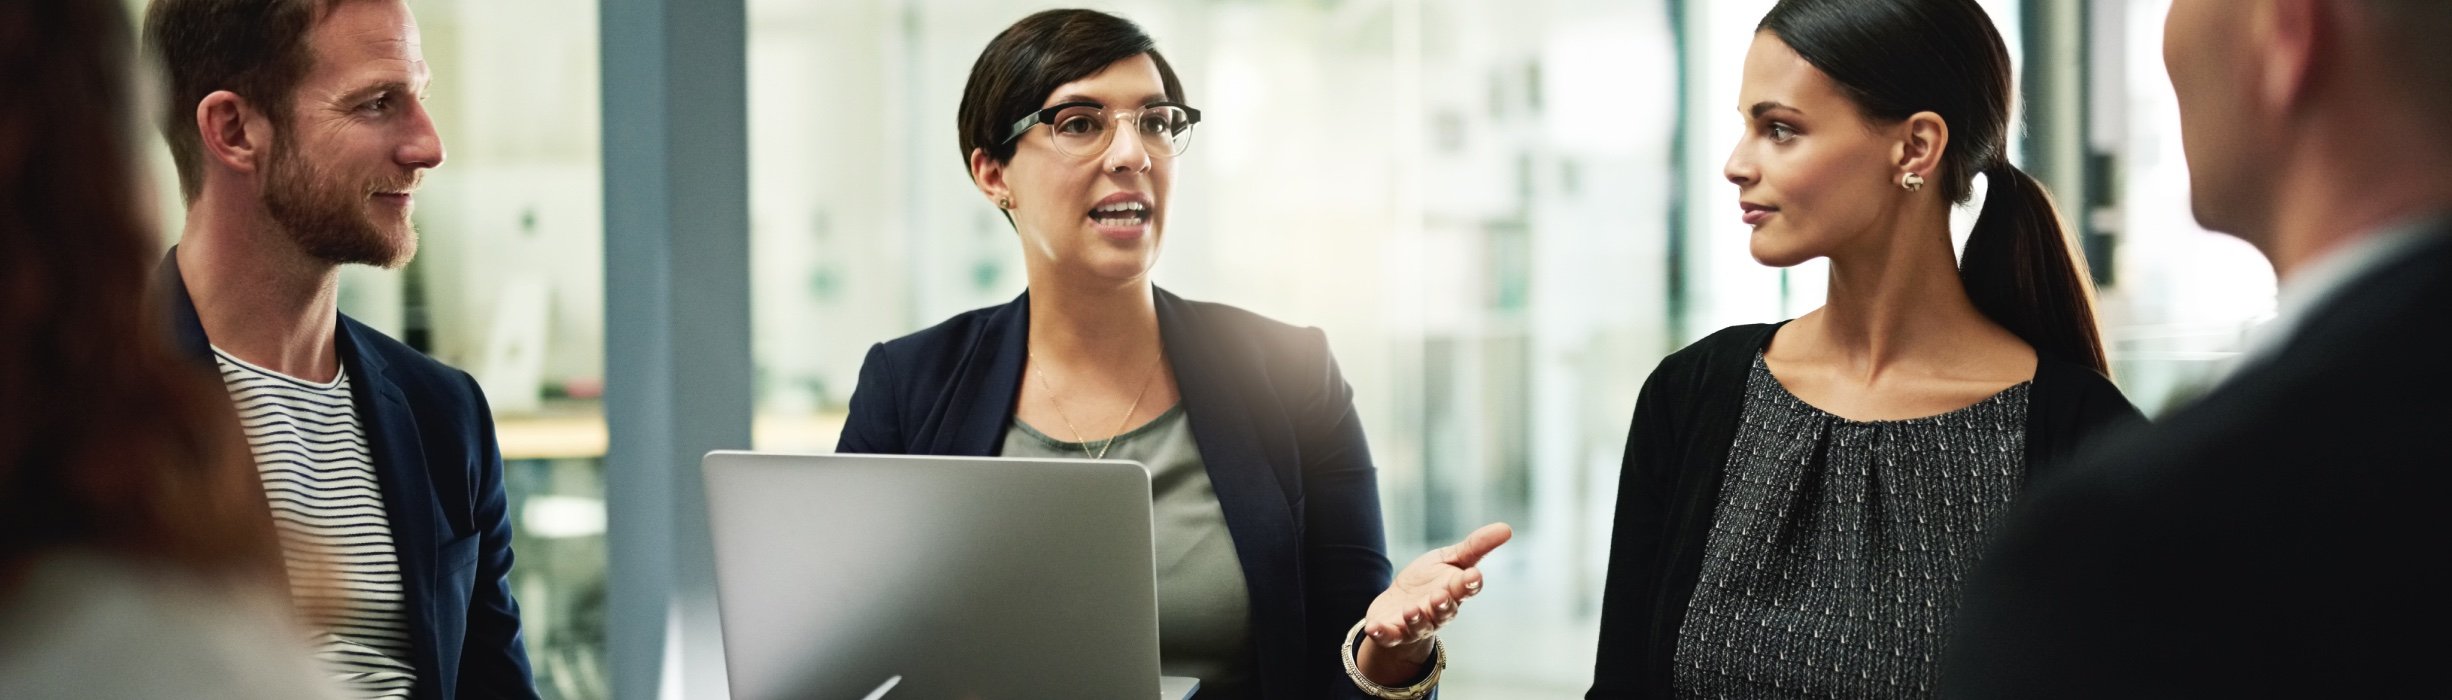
(336, 537)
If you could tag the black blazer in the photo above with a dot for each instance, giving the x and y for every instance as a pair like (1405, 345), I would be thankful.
(1276, 427)
(2283, 536)
(432, 439)
(1676, 452)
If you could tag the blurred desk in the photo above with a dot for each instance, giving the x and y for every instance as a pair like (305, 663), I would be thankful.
(576, 430)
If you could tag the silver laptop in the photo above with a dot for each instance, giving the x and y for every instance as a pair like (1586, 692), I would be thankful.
(866, 577)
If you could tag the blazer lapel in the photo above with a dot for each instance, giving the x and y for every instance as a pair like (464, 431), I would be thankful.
(409, 503)
(391, 439)
(1250, 459)
(971, 417)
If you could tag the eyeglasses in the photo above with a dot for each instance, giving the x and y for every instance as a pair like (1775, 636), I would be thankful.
(1081, 129)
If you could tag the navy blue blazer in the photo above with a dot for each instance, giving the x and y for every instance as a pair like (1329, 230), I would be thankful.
(432, 438)
(1275, 423)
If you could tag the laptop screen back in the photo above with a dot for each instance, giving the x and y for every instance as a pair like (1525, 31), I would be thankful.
(838, 575)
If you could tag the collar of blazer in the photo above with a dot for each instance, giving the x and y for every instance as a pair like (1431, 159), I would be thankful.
(411, 503)
(1248, 444)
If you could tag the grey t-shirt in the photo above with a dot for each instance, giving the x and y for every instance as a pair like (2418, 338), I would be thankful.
(1204, 611)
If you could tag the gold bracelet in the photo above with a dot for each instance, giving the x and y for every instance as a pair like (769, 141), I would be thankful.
(1438, 655)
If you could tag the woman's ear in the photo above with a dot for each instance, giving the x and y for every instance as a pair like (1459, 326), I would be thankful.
(1926, 137)
(989, 176)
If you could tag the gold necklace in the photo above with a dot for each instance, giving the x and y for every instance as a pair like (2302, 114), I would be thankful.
(1078, 440)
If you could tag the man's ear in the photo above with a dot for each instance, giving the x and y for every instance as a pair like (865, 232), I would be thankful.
(236, 135)
(989, 176)
(2292, 34)
(1924, 138)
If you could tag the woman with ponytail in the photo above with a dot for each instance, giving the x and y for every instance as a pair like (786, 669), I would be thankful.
(1799, 500)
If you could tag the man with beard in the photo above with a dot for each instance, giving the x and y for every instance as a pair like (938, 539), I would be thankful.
(2282, 536)
(300, 137)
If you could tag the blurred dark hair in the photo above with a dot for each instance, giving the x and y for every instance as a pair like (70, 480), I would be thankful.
(256, 49)
(108, 440)
(1030, 59)
(1896, 58)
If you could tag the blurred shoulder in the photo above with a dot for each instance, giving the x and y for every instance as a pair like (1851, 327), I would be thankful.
(85, 624)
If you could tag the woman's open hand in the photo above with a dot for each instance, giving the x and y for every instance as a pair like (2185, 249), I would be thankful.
(1425, 597)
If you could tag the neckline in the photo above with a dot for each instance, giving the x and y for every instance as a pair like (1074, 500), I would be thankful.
(339, 379)
(1154, 424)
(1763, 366)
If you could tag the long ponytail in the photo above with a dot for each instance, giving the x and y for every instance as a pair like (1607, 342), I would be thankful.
(1897, 58)
(2020, 269)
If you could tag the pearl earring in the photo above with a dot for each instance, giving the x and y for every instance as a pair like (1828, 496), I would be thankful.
(1004, 202)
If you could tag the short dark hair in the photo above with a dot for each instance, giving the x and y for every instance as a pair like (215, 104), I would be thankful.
(256, 49)
(1032, 58)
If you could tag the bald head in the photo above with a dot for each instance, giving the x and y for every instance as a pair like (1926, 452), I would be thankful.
(2307, 122)
(2413, 41)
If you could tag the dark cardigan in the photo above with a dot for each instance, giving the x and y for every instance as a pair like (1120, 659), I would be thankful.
(1277, 430)
(1676, 452)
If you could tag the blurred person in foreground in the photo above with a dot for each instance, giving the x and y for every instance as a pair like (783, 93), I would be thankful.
(2284, 535)
(300, 134)
(137, 559)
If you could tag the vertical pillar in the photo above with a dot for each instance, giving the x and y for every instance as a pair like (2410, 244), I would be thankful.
(677, 329)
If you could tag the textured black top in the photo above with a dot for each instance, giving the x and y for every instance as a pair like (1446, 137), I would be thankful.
(1677, 452)
(1839, 547)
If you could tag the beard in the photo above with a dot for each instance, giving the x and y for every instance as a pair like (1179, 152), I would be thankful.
(329, 217)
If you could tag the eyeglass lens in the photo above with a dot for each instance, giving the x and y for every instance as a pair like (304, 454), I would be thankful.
(1086, 131)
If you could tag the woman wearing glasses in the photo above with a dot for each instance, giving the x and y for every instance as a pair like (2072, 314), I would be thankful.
(1800, 500)
(1267, 507)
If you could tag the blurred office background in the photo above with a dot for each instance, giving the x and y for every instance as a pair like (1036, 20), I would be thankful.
(1502, 213)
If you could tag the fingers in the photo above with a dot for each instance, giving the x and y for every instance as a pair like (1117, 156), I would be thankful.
(1385, 633)
(1429, 593)
(1394, 624)
(1446, 610)
(1392, 619)
(1401, 627)
(1464, 584)
(1465, 554)
(1413, 622)
(1426, 617)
